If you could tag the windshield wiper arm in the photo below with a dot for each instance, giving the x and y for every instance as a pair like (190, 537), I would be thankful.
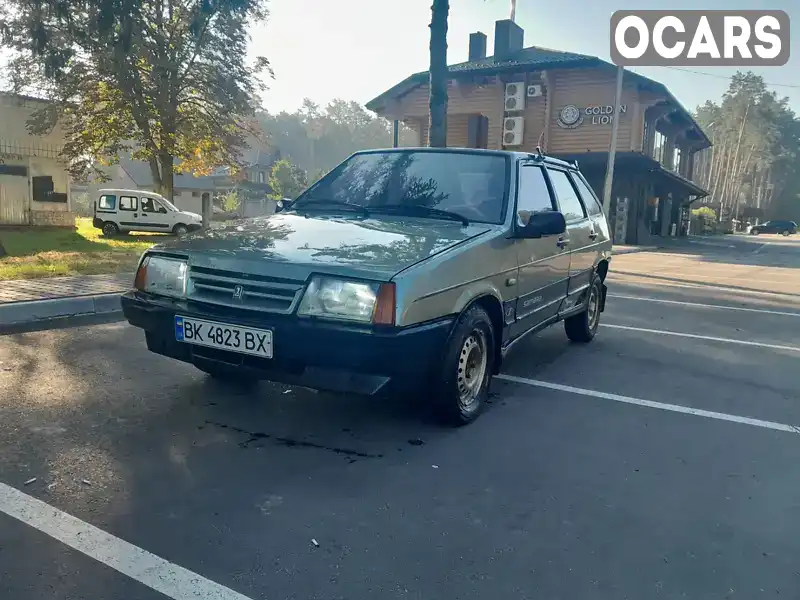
(321, 202)
(423, 211)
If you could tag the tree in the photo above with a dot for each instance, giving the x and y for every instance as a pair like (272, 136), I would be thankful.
(165, 79)
(437, 125)
(286, 180)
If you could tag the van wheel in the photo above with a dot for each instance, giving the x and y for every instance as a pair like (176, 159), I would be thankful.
(583, 326)
(462, 389)
(180, 229)
(785, 233)
(110, 229)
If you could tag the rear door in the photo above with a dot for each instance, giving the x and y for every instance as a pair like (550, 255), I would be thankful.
(600, 233)
(543, 262)
(580, 230)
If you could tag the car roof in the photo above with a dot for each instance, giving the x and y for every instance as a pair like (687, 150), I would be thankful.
(128, 191)
(515, 155)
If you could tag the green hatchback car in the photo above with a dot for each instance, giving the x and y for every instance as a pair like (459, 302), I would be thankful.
(413, 269)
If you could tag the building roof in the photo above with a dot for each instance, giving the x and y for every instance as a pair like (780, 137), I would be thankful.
(533, 58)
(139, 171)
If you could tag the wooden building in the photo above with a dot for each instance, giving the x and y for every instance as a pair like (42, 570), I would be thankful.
(562, 102)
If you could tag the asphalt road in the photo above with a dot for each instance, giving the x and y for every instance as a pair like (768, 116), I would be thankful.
(617, 486)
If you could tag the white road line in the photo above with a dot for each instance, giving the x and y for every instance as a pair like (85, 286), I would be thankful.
(650, 404)
(704, 337)
(156, 573)
(700, 305)
(760, 248)
(636, 280)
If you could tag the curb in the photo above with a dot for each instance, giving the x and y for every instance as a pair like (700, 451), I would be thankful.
(633, 250)
(32, 311)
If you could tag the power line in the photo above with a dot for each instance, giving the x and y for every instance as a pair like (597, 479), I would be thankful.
(786, 85)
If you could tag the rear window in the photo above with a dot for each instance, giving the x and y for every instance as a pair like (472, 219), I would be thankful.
(471, 184)
(107, 202)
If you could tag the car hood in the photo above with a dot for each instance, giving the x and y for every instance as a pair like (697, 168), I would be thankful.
(293, 246)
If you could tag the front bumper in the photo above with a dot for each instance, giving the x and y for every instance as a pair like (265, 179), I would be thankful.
(312, 353)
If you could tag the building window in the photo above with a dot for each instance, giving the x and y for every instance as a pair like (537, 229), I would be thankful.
(659, 147)
(261, 177)
(42, 188)
(676, 163)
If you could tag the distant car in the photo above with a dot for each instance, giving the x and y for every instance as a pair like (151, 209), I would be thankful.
(416, 267)
(782, 227)
(121, 211)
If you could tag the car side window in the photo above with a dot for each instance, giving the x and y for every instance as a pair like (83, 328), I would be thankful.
(128, 202)
(107, 202)
(590, 201)
(148, 205)
(160, 208)
(533, 195)
(566, 196)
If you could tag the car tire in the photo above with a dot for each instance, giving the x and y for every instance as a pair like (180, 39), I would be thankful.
(785, 233)
(180, 229)
(755, 232)
(582, 327)
(461, 390)
(110, 229)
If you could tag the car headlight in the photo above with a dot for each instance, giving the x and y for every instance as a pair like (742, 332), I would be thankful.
(334, 298)
(162, 275)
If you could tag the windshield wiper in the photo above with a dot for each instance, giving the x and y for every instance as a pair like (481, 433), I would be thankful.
(413, 210)
(322, 202)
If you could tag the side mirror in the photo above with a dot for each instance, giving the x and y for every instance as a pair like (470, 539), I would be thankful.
(542, 224)
(283, 204)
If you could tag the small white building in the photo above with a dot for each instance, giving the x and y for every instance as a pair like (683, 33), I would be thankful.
(34, 182)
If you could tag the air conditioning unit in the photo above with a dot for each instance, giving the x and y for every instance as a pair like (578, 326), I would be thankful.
(512, 131)
(515, 96)
(534, 91)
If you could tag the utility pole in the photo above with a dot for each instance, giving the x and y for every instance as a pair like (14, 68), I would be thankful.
(513, 15)
(612, 153)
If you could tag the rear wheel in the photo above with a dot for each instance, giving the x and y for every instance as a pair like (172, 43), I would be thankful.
(180, 229)
(785, 232)
(110, 229)
(755, 232)
(462, 387)
(583, 326)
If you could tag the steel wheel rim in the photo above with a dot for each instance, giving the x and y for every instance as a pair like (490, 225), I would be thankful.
(108, 229)
(472, 364)
(593, 307)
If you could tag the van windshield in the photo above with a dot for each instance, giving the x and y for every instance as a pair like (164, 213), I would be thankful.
(168, 204)
(470, 184)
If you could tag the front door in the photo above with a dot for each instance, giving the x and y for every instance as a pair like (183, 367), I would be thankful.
(581, 232)
(153, 215)
(543, 262)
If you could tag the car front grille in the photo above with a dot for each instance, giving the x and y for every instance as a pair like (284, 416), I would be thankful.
(258, 292)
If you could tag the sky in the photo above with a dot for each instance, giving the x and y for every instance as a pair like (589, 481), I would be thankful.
(357, 49)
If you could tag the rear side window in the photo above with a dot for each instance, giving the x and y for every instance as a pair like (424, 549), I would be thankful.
(128, 203)
(107, 202)
(587, 195)
(566, 195)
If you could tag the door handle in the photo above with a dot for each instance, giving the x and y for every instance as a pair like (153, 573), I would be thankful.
(135, 215)
(562, 242)
(592, 235)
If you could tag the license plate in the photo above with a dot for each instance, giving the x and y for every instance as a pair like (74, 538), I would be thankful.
(244, 340)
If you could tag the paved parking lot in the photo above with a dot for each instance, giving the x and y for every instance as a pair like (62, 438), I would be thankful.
(660, 461)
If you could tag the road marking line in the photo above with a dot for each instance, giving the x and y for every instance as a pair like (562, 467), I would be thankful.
(697, 412)
(636, 280)
(153, 571)
(757, 310)
(760, 248)
(704, 337)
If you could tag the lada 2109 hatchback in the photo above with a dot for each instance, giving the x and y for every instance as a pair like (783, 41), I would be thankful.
(413, 268)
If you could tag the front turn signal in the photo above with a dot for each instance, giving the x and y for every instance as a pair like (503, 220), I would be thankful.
(385, 305)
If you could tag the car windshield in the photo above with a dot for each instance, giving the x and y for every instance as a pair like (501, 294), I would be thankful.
(470, 184)
(168, 204)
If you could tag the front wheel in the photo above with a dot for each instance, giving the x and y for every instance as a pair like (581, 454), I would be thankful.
(462, 389)
(785, 233)
(180, 229)
(583, 326)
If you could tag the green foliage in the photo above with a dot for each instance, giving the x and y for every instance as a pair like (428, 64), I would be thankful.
(316, 140)
(166, 79)
(755, 161)
(230, 202)
(286, 180)
(705, 212)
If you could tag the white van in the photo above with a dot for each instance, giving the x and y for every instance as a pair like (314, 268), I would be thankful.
(120, 211)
